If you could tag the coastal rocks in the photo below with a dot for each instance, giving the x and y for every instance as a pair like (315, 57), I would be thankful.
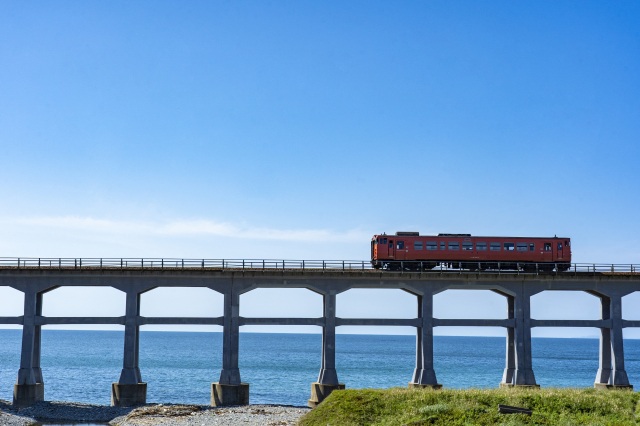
(57, 412)
(151, 415)
(190, 415)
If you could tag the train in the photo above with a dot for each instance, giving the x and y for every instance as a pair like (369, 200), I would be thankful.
(414, 252)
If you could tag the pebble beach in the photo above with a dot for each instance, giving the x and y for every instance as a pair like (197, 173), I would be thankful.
(153, 414)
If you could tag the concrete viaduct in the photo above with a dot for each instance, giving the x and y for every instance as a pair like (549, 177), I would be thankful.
(35, 277)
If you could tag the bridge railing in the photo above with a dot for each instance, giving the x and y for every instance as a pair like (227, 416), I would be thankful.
(175, 263)
(315, 265)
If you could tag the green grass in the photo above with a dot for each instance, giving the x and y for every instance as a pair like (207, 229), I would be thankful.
(413, 407)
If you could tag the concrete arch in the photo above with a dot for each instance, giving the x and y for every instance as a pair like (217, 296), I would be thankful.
(455, 303)
(564, 305)
(630, 312)
(630, 304)
(83, 301)
(273, 303)
(185, 302)
(357, 302)
(11, 304)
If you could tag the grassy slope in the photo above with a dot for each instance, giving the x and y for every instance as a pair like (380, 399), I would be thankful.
(475, 407)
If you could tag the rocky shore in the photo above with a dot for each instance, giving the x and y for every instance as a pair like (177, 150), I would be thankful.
(152, 414)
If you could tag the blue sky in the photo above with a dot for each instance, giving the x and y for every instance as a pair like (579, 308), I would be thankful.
(163, 128)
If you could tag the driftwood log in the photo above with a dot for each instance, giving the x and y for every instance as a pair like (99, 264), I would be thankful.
(507, 409)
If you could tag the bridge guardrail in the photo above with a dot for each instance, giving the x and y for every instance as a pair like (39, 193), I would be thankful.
(274, 264)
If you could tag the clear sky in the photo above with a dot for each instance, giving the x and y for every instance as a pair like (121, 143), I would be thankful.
(298, 129)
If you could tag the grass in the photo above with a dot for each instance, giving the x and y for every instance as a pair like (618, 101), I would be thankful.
(414, 407)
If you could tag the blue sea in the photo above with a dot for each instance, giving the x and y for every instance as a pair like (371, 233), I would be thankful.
(180, 366)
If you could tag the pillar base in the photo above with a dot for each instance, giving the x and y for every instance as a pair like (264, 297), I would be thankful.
(222, 394)
(26, 395)
(506, 385)
(608, 386)
(128, 395)
(319, 392)
(421, 386)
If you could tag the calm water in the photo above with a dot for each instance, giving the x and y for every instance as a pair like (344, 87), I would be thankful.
(179, 367)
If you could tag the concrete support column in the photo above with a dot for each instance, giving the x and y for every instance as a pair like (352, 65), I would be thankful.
(29, 387)
(130, 390)
(510, 352)
(230, 390)
(523, 374)
(611, 370)
(604, 363)
(619, 377)
(424, 374)
(328, 377)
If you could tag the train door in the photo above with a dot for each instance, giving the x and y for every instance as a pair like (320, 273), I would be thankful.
(382, 248)
(560, 251)
(401, 251)
(392, 250)
(547, 252)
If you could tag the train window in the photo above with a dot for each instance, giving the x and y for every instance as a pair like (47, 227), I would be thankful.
(442, 245)
(467, 246)
(482, 246)
(508, 246)
(432, 245)
(417, 245)
(547, 246)
(559, 246)
(521, 246)
(384, 241)
(391, 244)
(454, 245)
(566, 243)
(400, 245)
(495, 246)
(532, 247)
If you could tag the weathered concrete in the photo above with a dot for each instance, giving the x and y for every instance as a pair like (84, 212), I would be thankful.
(128, 395)
(224, 394)
(130, 390)
(421, 386)
(319, 392)
(230, 390)
(26, 395)
(424, 375)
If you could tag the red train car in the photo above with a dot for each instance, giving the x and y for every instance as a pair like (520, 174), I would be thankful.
(412, 251)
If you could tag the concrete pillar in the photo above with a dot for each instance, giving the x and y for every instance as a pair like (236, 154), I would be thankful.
(611, 371)
(424, 374)
(619, 377)
(130, 390)
(328, 377)
(29, 387)
(510, 352)
(230, 390)
(604, 362)
(523, 374)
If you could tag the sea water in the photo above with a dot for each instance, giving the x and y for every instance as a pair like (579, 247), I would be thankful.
(179, 367)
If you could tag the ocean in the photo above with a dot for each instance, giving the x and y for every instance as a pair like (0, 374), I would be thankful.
(179, 367)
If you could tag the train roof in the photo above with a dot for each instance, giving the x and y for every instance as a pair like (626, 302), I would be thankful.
(417, 234)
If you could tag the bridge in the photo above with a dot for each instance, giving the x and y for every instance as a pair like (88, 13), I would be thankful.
(36, 276)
